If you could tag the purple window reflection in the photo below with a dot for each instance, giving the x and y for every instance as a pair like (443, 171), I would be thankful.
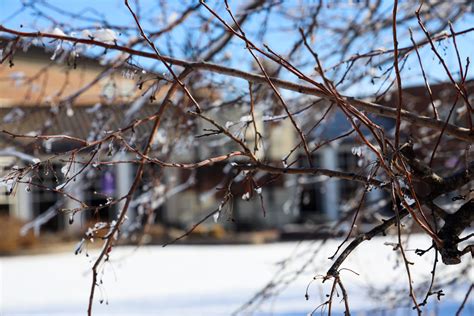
(108, 183)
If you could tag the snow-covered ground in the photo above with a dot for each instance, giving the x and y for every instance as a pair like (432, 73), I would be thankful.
(215, 280)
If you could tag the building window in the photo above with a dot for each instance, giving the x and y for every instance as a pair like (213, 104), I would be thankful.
(311, 197)
(99, 189)
(347, 162)
(4, 202)
(48, 176)
(5, 198)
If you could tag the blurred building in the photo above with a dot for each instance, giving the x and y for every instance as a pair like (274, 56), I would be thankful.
(28, 108)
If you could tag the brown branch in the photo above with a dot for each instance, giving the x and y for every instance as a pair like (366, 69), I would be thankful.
(397, 73)
(312, 171)
(202, 220)
(195, 165)
(184, 15)
(403, 50)
(249, 45)
(334, 270)
(454, 225)
(457, 86)
(138, 176)
(160, 57)
(345, 297)
(400, 247)
(257, 135)
(425, 78)
(71, 138)
(226, 132)
(455, 131)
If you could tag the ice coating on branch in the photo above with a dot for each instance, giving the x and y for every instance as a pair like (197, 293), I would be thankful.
(128, 74)
(10, 151)
(86, 34)
(442, 33)
(246, 119)
(26, 44)
(65, 169)
(357, 151)
(246, 196)
(56, 51)
(105, 35)
(173, 17)
(8, 184)
(409, 200)
(58, 31)
(79, 246)
(216, 216)
(60, 186)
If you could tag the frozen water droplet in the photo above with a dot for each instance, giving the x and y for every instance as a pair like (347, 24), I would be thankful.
(79, 246)
(216, 216)
(357, 151)
(69, 112)
(409, 200)
(56, 51)
(64, 169)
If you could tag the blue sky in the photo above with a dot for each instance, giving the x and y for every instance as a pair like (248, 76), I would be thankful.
(281, 41)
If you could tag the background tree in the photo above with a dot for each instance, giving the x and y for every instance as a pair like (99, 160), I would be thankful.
(226, 71)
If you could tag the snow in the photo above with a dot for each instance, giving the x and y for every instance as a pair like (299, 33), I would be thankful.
(207, 280)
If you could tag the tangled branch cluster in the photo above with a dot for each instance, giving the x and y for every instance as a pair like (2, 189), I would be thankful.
(188, 69)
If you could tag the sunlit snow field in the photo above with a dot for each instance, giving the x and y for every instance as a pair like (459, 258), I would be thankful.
(214, 280)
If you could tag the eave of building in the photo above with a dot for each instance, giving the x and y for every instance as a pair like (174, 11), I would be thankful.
(33, 79)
